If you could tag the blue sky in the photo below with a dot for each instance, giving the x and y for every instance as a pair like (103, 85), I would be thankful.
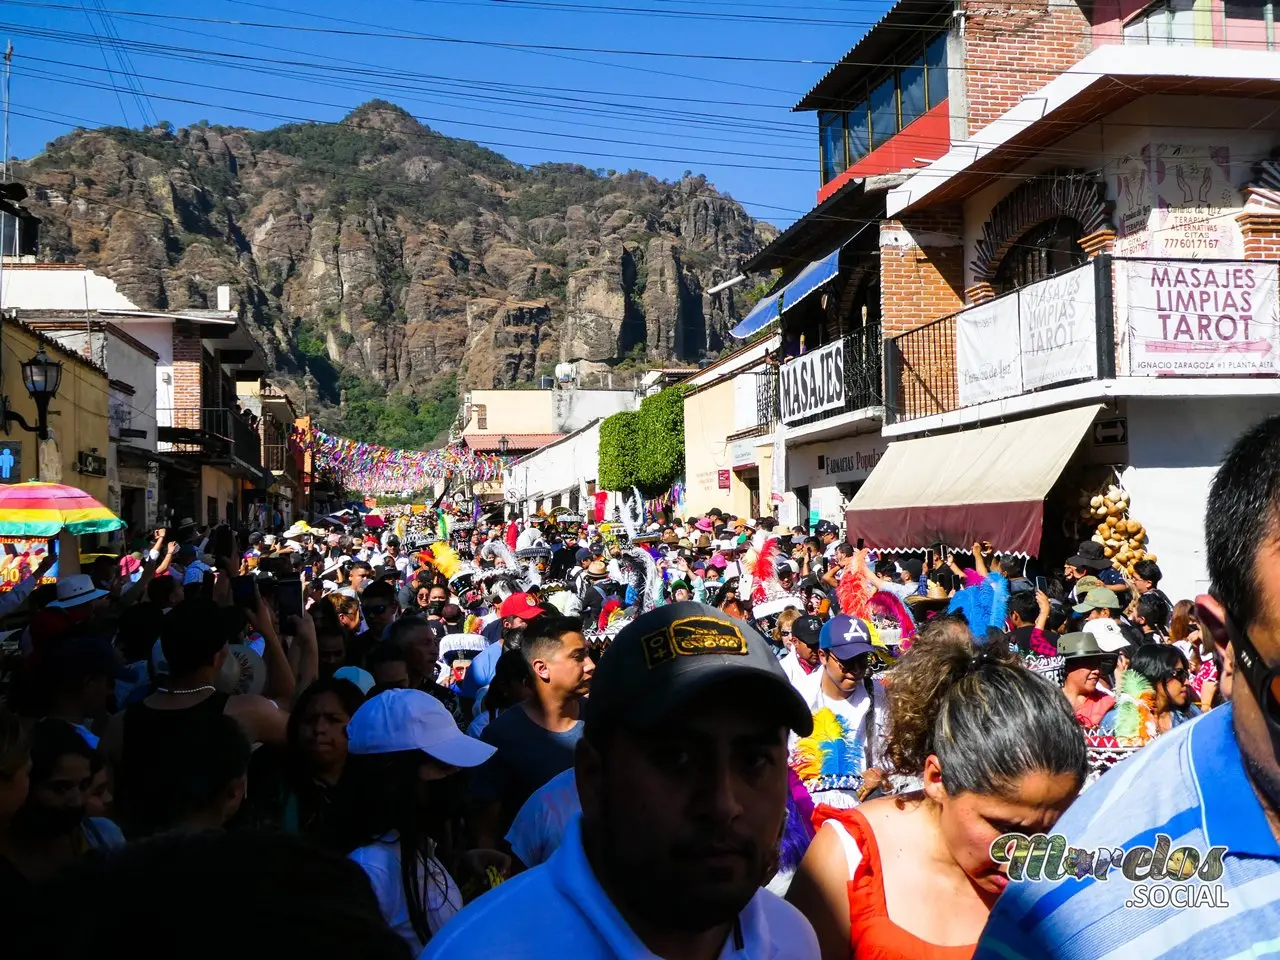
(729, 120)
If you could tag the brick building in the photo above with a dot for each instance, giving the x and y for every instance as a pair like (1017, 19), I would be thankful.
(1070, 258)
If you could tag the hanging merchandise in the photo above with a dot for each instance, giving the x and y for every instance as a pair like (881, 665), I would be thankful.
(1123, 539)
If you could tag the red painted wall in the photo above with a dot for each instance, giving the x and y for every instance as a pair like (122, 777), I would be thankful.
(926, 138)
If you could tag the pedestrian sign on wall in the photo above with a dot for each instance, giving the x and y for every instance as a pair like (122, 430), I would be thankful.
(10, 463)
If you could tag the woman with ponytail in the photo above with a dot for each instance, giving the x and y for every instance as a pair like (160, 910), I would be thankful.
(997, 750)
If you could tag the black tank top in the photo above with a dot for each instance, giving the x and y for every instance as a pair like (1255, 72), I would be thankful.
(156, 759)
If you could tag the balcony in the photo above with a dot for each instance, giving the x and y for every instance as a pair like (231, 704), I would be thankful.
(838, 378)
(216, 434)
(1111, 318)
(279, 458)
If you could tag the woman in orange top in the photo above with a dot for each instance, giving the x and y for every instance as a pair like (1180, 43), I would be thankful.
(997, 750)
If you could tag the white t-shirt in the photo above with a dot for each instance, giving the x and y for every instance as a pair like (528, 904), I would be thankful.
(381, 861)
(790, 664)
(539, 827)
(560, 908)
(831, 761)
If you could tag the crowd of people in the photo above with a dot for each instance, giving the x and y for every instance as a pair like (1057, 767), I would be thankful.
(419, 734)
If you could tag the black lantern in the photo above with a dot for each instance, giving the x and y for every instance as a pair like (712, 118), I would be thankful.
(42, 377)
(503, 446)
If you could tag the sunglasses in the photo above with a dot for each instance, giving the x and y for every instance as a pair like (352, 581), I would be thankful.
(1263, 680)
(375, 610)
(1181, 675)
(785, 633)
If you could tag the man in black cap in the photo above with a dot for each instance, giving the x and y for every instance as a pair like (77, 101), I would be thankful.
(683, 780)
(1090, 560)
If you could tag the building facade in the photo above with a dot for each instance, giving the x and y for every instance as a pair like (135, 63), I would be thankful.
(1076, 286)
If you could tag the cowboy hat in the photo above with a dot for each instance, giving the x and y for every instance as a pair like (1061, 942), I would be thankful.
(77, 589)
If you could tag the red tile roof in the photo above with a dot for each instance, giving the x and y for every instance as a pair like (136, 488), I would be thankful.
(516, 442)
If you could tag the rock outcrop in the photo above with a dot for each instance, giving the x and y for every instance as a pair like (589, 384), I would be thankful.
(380, 250)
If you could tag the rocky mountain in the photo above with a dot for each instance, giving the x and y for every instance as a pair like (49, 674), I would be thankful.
(394, 264)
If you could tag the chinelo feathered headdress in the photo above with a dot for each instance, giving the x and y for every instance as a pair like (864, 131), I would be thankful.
(447, 561)
(829, 758)
(985, 606)
(854, 590)
(762, 563)
(893, 619)
(1135, 711)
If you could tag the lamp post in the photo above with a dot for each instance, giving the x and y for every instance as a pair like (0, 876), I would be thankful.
(42, 377)
(503, 446)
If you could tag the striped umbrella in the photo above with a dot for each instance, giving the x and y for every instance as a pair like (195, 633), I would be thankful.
(43, 509)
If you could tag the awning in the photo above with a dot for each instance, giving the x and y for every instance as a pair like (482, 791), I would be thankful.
(811, 278)
(959, 488)
(761, 315)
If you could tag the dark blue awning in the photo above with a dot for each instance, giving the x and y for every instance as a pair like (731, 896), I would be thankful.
(811, 278)
(761, 315)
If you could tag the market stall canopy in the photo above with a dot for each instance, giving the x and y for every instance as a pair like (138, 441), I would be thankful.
(46, 509)
(811, 278)
(959, 488)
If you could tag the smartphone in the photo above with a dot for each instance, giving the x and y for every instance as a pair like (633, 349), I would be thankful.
(288, 598)
(244, 590)
(223, 542)
(861, 543)
(1042, 584)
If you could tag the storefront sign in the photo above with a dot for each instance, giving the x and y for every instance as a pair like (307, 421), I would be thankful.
(812, 383)
(1058, 327)
(988, 366)
(742, 454)
(1202, 319)
(722, 479)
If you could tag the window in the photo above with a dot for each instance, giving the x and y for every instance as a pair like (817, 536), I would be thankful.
(482, 417)
(935, 61)
(911, 92)
(859, 134)
(834, 160)
(895, 102)
(884, 113)
(1052, 247)
(1167, 22)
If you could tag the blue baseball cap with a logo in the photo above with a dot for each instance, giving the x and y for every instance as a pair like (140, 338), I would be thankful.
(845, 637)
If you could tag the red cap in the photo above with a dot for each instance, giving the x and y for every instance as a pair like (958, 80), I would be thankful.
(520, 605)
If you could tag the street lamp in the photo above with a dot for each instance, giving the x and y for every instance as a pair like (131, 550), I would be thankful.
(42, 377)
(503, 446)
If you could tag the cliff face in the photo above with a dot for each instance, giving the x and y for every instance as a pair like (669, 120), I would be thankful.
(379, 254)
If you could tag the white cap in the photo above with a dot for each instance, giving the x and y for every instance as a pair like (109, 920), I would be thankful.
(1107, 634)
(397, 720)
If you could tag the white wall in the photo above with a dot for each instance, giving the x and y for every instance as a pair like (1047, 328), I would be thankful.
(126, 363)
(1133, 148)
(555, 469)
(1175, 447)
(43, 286)
(158, 336)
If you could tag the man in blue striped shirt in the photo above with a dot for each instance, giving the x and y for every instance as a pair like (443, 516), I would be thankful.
(1214, 782)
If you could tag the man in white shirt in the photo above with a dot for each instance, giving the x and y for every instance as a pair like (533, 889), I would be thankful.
(682, 777)
(849, 710)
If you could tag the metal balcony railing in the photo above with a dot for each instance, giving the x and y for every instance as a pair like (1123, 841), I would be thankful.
(214, 432)
(861, 380)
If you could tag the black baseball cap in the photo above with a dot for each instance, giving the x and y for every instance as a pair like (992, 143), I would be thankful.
(663, 659)
(825, 527)
(808, 629)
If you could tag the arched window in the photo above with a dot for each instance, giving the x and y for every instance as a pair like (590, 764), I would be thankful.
(1046, 249)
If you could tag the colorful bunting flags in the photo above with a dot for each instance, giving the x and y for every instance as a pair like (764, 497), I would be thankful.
(370, 469)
